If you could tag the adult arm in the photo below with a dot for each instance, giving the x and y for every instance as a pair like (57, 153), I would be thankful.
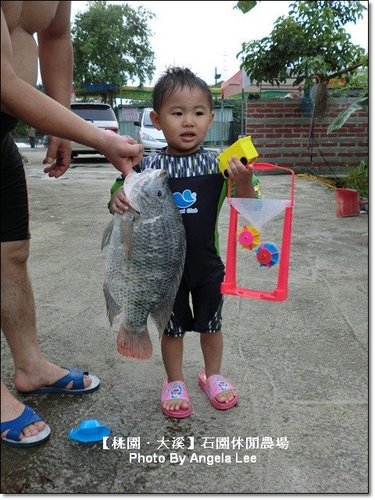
(56, 56)
(56, 69)
(43, 113)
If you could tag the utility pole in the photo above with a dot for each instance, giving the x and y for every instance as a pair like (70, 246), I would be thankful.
(217, 76)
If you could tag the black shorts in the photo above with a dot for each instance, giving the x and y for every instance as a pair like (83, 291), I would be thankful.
(207, 303)
(14, 197)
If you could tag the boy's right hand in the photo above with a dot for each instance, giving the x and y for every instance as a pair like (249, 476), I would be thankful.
(119, 202)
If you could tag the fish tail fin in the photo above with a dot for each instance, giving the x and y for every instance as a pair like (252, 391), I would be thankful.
(134, 345)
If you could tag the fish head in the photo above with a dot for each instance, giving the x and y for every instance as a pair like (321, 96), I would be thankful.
(146, 191)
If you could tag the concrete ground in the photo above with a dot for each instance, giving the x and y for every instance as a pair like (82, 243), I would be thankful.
(301, 366)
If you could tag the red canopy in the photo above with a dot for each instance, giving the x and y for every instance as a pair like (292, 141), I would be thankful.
(235, 85)
(240, 82)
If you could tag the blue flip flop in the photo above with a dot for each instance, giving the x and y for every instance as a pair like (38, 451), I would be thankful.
(15, 427)
(59, 387)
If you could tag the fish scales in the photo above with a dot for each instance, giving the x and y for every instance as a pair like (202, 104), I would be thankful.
(145, 261)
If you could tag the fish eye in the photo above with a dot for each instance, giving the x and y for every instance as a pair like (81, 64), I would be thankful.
(159, 193)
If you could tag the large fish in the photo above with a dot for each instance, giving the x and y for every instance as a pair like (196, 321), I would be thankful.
(145, 261)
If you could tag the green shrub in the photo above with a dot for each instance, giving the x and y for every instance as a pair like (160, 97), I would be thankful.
(357, 178)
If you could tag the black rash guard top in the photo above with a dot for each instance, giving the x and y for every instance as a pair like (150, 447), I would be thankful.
(198, 189)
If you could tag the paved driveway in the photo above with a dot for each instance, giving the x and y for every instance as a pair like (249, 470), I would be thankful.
(301, 366)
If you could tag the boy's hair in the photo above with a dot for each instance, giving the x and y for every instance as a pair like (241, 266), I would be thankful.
(176, 78)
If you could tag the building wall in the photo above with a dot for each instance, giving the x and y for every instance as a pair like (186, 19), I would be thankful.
(280, 130)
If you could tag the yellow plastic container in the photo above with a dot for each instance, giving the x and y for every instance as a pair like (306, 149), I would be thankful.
(243, 149)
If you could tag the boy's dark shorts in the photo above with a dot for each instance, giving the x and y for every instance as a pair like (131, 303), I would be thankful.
(14, 198)
(207, 303)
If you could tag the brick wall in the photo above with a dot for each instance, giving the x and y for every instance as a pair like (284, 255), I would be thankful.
(280, 131)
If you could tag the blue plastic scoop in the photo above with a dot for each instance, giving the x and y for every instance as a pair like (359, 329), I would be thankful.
(89, 431)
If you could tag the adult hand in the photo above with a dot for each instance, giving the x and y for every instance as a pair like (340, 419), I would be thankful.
(58, 156)
(122, 151)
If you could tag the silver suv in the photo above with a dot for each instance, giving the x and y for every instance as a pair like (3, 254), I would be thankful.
(153, 140)
(100, 115)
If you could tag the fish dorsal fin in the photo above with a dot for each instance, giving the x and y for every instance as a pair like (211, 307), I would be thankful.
(107, 234)
(127, 232)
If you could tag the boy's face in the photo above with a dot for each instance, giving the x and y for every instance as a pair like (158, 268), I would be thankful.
(184, 118)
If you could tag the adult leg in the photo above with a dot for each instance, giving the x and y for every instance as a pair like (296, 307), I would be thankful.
(32, 369)
(14, 219)
(11, 408)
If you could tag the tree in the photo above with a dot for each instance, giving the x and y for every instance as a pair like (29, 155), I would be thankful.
(111, 47)
(310, 42)
(358, 79)
(245, 5)
(343, 117)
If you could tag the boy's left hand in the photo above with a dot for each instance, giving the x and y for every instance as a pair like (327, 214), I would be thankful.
(239, 172)
(242, 176)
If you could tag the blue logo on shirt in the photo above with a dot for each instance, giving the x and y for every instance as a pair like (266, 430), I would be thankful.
(185, 199)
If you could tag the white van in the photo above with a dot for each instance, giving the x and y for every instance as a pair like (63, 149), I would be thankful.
(99, 114)
(153, 140)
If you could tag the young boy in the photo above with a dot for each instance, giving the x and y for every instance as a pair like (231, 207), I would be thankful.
(183, 110)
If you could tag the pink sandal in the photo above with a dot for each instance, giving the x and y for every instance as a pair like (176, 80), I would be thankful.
(214, 385)
(175, 390)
